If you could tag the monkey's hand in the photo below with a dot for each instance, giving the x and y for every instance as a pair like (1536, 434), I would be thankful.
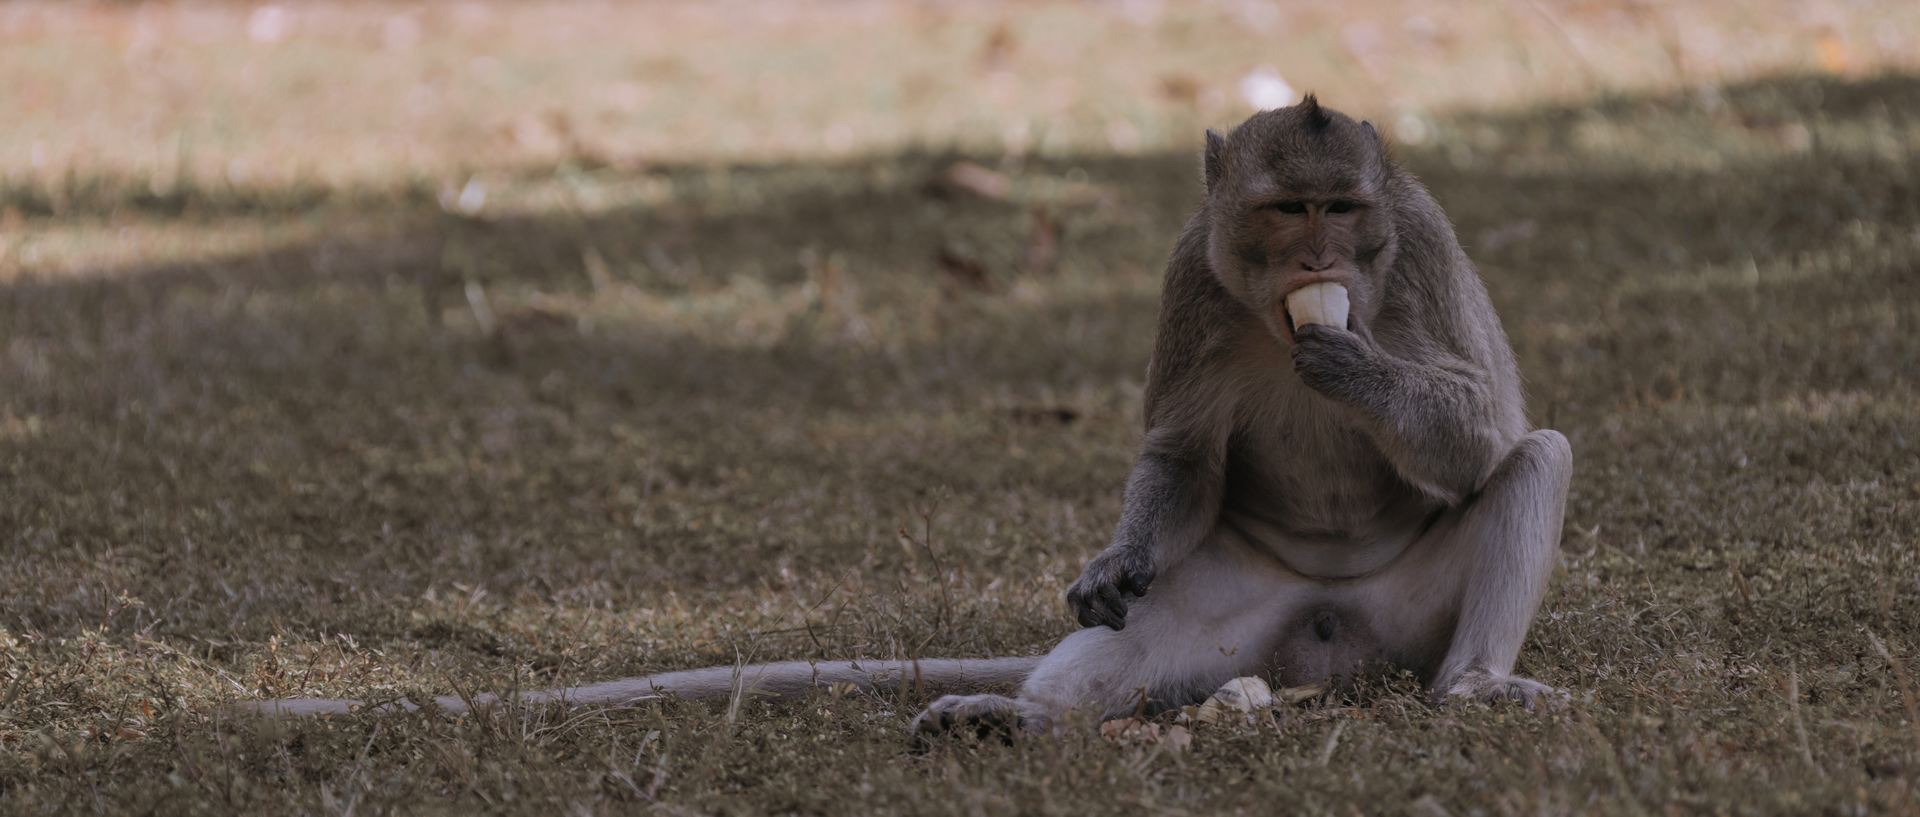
(1099, 596)
(1341, 364)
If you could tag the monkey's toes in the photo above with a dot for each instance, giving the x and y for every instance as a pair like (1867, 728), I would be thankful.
(1487, 687)
(982, 716)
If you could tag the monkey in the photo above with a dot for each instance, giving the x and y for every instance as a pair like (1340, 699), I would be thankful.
(1311, 500)
(1316, 494)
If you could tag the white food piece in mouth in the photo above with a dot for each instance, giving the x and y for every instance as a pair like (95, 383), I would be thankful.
(1324, 303)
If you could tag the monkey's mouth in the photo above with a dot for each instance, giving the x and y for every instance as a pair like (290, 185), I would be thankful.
(1323, 303)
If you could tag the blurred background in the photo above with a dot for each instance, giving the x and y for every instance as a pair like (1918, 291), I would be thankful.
(162, 96)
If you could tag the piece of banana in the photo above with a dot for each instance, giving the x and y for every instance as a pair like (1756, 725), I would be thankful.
(1240, 698)
(1324, 303)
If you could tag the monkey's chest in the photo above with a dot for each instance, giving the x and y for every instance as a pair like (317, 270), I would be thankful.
(1327, 500)
(1329, 507)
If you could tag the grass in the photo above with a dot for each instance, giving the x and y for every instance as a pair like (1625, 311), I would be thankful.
(326, 437)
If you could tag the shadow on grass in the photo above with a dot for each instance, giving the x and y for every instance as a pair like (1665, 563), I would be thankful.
(763, 369)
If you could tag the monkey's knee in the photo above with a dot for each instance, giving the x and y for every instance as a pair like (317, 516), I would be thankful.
(1541, 454)
(1529, 487)
(1551, 449)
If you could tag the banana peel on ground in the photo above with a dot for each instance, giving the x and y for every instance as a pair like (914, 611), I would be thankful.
(1242, 698)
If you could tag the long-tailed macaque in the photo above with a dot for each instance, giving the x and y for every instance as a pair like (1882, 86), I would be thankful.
(1336, 471)
(1313, 496)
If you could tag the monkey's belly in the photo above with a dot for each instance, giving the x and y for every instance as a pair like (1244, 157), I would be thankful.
(1321, 557)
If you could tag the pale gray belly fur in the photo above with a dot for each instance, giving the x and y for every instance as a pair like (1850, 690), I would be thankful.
(1320, 558)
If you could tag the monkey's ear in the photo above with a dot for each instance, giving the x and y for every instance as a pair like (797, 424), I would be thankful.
(1370, 131)
(1214, 163)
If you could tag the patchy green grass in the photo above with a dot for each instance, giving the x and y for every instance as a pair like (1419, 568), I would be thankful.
(638, 421)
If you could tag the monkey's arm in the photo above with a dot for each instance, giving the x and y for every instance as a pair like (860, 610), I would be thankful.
(1173, 494)
(1172, 500)
(1434, 418)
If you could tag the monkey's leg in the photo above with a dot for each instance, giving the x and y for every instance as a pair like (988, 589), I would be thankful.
(1482, 569)
(1209, 618)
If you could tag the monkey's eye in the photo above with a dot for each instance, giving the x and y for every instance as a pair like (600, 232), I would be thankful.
(1290, 207)
(1340, 207)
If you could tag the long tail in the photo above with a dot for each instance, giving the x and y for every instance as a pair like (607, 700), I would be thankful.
(785, 679)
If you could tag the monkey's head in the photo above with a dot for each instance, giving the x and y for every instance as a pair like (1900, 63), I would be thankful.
(1298, 196)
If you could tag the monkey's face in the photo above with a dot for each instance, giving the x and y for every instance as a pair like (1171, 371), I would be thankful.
(1299, 203)
(1310, 245)
(1285, 239)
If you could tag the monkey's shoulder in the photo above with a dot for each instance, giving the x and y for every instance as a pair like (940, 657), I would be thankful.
(1200, 332)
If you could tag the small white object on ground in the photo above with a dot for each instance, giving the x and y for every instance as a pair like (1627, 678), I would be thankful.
(1263, 89)
(1244, 697)
(1240, 696)
(1324, 303)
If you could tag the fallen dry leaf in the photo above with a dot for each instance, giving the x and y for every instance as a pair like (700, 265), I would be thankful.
(978, 180)
(1135, 732)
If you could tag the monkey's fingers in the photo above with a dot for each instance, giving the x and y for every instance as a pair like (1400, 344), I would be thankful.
(1082, 604)
(1091, 613)
(1326, 359)
(1135, 582)
(1102, 607)
(1082, 611)
(1308, 333)
(1113, 607)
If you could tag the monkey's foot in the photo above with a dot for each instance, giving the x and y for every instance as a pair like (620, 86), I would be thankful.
(1487, 687)
(983, 716)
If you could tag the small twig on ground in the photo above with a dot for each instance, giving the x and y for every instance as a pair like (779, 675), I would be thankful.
(807, 623)
(925, 542)
(1739, 581)
(739, 691)
(1606, 750)
(1800, 726)
(353, 796)
(1333, 742)
(1899, 675)
(13, 691)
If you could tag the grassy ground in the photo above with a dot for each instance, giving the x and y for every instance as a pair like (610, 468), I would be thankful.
(640, 418)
